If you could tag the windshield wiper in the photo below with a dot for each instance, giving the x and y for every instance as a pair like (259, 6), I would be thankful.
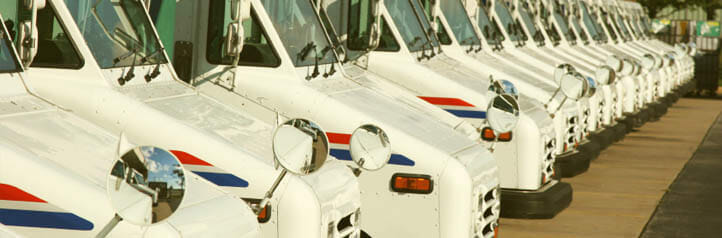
(130, 74)
(324, 53)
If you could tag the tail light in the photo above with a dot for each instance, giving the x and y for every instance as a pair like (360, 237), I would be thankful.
(488, 134)
(412, 183)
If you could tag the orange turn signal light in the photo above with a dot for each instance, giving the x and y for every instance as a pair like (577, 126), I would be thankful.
(488, 134)
(496, 232)
(412, 183)
(265, 214)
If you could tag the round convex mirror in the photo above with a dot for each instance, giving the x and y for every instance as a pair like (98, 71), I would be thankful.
(370, 147)
(300, 146)
(605, 75)
(561, 70)
(592, 87)
(627, 67)
(503, 113)
(573, 86)
(614, 62)
(146, 185)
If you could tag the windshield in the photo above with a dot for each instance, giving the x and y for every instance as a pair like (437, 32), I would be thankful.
(459, 22)
(506, 21)
(300, 31)
(489, 30)
(117, 32)
(563, 26)
(8, 62)
(590, 22)
(578, 28)
(622, 27)
(405, 18)
(529, 23)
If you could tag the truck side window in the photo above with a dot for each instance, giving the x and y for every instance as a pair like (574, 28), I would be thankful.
(55, 50)
(257, 49)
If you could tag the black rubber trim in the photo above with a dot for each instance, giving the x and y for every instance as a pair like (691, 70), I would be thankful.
(603, 138)
(572, 163)
(536, 205)
(591, 149)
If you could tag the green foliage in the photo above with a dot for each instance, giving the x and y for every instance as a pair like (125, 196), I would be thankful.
(655, 6)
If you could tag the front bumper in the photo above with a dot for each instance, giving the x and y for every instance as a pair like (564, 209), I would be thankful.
(572, 163)
(604, 137)
(544, 203)
(590, 148)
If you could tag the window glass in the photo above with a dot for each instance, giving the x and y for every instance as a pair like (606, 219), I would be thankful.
(55, 50)
(359, 24)
(578, 28)
(610, 30)
(118, 33)
(257, 49)
(459, 22)
(590, 22)
(529, 24)
(505, 19)
(301, 33)
(563, 26)
(387, 41)
(8, 63)
(118, 170)
(9, 11)
(441, 34)
(412, 32)
(487, 29)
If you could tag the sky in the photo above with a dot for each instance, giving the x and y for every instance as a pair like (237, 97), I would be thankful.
(160, 165)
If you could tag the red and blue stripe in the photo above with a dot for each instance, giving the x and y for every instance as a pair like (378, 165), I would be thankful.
(458, 107)
(20, 208)
(340, 150)
(209, 172)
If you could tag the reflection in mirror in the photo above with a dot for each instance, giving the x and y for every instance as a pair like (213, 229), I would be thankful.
(573, 85)
(592, 87)
(300, 146)
(146, 185)
(370, 148)
(503, 113)
(605, 75)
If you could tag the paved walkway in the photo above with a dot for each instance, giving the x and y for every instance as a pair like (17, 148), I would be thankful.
(691, 207)
(622, 188)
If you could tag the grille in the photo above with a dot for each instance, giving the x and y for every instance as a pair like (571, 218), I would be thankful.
(346, 227)
(487, 212)
(548, 163)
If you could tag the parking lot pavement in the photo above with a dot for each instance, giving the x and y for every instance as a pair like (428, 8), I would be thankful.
(622, 188)
(691, 207)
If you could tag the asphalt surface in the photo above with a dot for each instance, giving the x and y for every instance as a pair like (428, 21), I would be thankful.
(621, 191)
(692, 206)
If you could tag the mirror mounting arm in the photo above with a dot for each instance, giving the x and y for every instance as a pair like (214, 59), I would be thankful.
(110, 226)
(269, 194)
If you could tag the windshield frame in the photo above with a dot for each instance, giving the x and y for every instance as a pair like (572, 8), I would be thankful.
(483, 19)
(499, 6)
(324, 58)
(6, 44)
(419, 27)
(153, 48)
(464, 21)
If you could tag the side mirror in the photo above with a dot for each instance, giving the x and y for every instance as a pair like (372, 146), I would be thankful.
(605, 75)
(573, 85)
(497, 87)
(503, 113)
(370, 147)
(591, 88)
(300, 146)
(614, 62)
(235, 37)
(561, 70)
(146, 185)
(375, 32)
(27, 42)
(627, 67)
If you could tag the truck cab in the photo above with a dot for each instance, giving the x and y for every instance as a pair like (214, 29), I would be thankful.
(437, 183)
(54, 165)
(109, 68)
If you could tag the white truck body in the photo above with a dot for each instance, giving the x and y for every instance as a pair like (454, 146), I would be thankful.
(221, 143)
(463, 172)
(54, 166)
